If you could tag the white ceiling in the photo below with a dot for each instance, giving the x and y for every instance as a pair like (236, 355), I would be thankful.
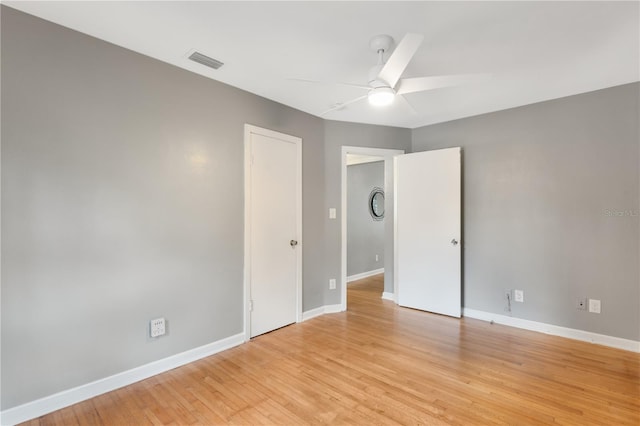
(534, 51)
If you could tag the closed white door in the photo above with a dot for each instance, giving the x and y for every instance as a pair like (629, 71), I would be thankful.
(274, 228)
(428, 215)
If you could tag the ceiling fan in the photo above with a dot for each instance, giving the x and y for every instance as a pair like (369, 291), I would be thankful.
(384, 83)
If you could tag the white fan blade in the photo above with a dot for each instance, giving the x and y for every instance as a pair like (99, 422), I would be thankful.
(420, 84)
(302, 80)
(406, 103)
(400, 58)
(341, 105)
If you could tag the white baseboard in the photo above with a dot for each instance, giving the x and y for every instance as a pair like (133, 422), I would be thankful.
(388, 296)
(307, 315)
(332, 309)
(362, 275)
(48, 404)
(326, 309)
(586, 336)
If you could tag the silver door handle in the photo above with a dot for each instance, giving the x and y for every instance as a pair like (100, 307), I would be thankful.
(293, 243)
(454, 242)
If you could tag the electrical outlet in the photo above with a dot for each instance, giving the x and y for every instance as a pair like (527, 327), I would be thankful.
(377, 258)
(157, 327)
(594, 306)
(332, 284)
(518, 296)
(582, 304)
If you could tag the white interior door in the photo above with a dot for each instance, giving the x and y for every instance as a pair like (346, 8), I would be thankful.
(274, 229)
(428, 214)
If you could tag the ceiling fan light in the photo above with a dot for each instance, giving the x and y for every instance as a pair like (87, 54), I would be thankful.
(381, 96)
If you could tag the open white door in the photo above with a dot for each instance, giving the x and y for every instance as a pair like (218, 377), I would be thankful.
(428, 214)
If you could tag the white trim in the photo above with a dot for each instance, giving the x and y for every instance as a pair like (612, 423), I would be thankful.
(248, 130)
(48, 404)
(246, 275)
(332, 309)
(388, 296)
(396, 286)
(571, 333)
(312, 313)
(387, 155)
(326, 309)
(362, 275)
(355, 159)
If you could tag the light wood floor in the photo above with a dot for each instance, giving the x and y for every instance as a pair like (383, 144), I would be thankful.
(381, 364)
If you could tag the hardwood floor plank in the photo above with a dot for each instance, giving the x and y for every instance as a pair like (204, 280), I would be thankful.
(378, 363)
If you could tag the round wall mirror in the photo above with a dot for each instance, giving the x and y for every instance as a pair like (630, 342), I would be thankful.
(376, 203)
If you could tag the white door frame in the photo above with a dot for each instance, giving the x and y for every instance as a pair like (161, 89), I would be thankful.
(387, 155)
(248, 130)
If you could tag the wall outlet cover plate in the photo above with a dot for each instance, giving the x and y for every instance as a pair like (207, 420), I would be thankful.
(518, 296)
(157, 327)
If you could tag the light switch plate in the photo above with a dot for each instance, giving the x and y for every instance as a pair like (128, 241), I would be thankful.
(332, 213)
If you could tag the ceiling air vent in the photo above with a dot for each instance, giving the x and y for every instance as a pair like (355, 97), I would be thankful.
(205, 60)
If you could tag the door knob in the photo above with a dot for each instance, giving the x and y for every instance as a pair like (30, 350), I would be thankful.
(454, 242)
(293, 243)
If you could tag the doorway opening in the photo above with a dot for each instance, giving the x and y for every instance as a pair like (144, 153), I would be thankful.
(365, 218)
(384, 158)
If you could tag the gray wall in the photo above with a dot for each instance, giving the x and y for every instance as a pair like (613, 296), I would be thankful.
(544, 186)
(122, 201)
(365, 236)
(338, 134)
